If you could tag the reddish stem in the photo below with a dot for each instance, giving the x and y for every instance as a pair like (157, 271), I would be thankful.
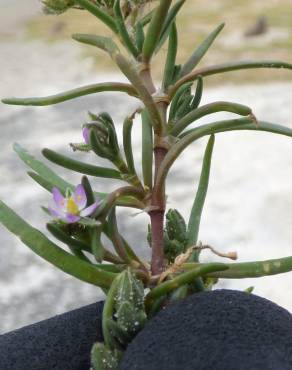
(157, 219)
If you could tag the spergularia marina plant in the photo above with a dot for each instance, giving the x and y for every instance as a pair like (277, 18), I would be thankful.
(80, 216)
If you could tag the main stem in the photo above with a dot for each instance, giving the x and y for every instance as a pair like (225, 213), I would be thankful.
(157, 220)
(157, 201)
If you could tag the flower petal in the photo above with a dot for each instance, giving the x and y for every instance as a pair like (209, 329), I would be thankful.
(80, 196)
(89, 210)
(58, 198)
(85, 133)
(70, 219)
(55, 212)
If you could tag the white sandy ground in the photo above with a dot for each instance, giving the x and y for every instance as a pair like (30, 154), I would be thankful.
(249, 204)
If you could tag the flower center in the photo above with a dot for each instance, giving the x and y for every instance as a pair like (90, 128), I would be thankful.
(72, 207)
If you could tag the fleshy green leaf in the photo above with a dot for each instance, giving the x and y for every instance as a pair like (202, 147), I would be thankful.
(197, 208)
(169, 21)
(171, 57)
(49, 251)
(200, 51)
(78, 166)
(220, 106)
(123, 30)
(213, 128)
(99, 13)
(154, 29)
(41, 169)
(228, 67)
(101, 42)
(127, 144)
(72, 94)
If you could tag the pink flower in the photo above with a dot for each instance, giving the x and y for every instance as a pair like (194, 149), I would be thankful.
(85, 133)
(72, 207)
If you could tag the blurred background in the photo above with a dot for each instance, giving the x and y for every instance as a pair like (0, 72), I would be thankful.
(249, 205)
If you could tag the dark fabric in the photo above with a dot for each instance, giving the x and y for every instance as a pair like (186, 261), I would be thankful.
(219, 330)
(60, 343)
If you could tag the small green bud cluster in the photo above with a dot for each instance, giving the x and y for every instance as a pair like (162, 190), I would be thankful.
(175, 235)
(129, 308)
(103, 358)
(57, 6)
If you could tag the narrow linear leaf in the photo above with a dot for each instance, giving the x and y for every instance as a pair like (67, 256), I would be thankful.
(99, 13)
(147, 18)
(88, 191)
(147, 149)
(198, 94)
(127, 41)
(130, 252)
(96, 244)
(213, 128)
(200, 51)
(41, 169)
(228, 67)
(115, 236)
(127, 144)
(174, 103)
(46, 178)
(49, 251)
(78, 166)
(101, 42)
(171, 57)
(170, 19)
(253, 269)
(140, 36)
(48, 185)
(72, 94)
(220, 106)
(154, 29)
(197, 208)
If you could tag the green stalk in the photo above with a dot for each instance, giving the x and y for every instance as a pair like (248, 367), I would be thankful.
(73, 94)
(130, 72)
